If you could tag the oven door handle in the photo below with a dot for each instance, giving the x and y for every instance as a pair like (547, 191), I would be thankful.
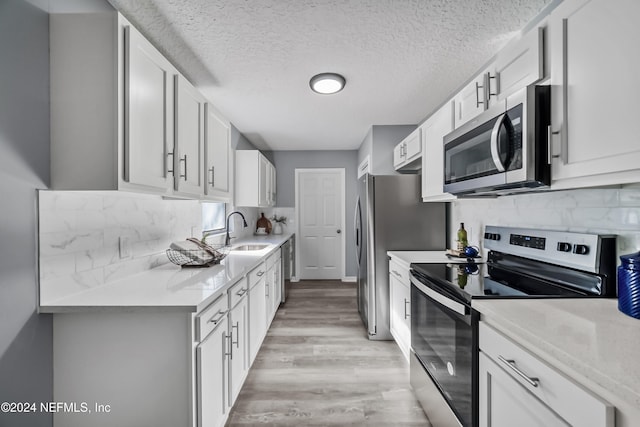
(438, 297)
(495, 154)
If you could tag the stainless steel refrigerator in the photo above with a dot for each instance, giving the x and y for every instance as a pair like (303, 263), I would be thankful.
(390, 216)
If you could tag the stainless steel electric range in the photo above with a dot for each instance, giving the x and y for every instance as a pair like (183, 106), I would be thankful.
(521, 263)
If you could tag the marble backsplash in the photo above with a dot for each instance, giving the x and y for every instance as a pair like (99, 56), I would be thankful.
(603, 211)
(80, 233)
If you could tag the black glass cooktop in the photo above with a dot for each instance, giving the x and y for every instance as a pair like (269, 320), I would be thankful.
(467, 281)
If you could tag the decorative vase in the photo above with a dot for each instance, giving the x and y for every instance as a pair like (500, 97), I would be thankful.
(277, 228)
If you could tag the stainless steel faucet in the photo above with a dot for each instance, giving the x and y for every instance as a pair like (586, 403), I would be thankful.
(227, 238)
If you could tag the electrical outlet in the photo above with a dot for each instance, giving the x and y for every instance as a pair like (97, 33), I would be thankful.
(125, 247)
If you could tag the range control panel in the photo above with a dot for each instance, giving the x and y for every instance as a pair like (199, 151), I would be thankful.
(527, 241)
(579, 250)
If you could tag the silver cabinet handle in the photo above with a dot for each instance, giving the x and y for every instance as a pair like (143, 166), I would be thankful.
(406, 301)
(170, 170)
(184, 159)
(228, 345)
(213, 176)
(241, 292)
(266, 287)
(488, 80)
(478, 102)
(396, 273)
(237, 341)
(220, 315)
(533, 381)
(260, 273)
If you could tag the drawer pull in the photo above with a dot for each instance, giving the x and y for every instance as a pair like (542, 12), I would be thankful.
(241, 292)
(220, 315)
(534, 382)
(396, 273)
(260, 273)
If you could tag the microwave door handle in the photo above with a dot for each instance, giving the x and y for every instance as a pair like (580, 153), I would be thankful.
(495, 154)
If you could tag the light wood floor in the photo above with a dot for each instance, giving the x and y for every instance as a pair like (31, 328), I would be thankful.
(316, 367)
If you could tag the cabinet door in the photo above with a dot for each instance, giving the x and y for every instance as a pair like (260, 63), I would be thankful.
(238, 361)
(470, 101)
(148, 123)
(517, 66)
(595, 62)
(273, 185)
(217, 155)
(433, 132)
(264, 185)
(398, 155)
(189, 131)
(257, 318)
(211, 361)
(503, 400)
(413, 146)
(400, 326)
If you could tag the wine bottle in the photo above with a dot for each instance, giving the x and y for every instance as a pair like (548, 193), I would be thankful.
(462, 237)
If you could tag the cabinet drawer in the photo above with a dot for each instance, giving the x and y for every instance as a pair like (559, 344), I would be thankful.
(211, 316)
(576, 405)
(399, 272)
(238, 291)
(256, 274)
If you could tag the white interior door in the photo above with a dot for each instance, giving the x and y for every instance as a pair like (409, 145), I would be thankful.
(320, 210)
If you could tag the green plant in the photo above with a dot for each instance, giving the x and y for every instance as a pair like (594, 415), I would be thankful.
(280, 219)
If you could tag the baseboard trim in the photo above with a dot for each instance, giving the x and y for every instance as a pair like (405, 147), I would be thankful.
(350, 279)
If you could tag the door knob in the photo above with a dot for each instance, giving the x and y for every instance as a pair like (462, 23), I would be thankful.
(338, 231)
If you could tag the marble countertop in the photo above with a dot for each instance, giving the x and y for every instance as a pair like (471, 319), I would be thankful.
(405, 258)
(587, 339)
(170, 287)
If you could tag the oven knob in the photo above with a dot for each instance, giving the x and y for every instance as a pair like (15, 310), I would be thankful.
(564, 247)
(487, 236)
(496, 236)
(581, 249)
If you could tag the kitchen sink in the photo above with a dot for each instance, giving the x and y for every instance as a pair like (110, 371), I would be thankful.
(249, 248)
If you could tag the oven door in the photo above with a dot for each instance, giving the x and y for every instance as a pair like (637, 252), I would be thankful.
(444, 341)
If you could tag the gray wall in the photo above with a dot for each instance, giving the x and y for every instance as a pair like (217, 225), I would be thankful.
(26, 363)
(286, 163)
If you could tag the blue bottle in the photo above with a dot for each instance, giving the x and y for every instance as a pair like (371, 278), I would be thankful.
(629, 285)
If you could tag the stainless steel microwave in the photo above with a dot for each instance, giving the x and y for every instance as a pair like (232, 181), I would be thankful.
(504, 150)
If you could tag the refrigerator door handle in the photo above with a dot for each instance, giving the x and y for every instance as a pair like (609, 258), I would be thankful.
(357, 223)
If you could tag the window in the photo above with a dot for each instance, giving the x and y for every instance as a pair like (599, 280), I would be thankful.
(213, 217)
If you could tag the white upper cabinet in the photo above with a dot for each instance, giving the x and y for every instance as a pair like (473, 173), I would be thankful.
(595, 64)
(148, 124)
(122, 116)
(189, 142)
(433, 132)
(407, 154)
(218, 156)
(518, 65)
(255, 179)
(470, 101)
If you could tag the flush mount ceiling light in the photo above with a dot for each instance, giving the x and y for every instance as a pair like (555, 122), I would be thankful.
(327, 83)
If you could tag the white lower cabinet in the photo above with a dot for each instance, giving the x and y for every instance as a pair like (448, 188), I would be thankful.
(212, 377)
(516, 385)
(257, 309)
(163, 368)
(400, 306)
(239, 345)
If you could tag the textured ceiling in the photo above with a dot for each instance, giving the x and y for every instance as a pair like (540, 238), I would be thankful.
(253, 59)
